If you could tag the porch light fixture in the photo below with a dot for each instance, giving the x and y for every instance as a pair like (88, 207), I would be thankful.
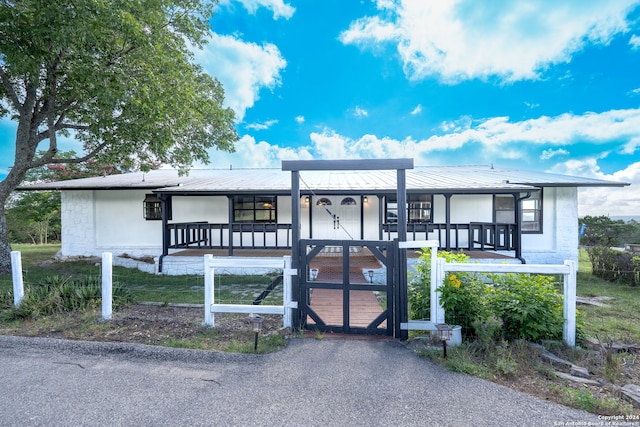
(370, 273)
(255, 321)
(365, 199)
(306, 199)
(444, 333)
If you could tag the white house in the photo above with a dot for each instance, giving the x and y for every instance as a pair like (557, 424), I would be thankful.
(527, 216)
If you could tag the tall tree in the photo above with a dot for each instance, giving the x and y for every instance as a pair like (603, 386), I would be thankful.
(117, 75)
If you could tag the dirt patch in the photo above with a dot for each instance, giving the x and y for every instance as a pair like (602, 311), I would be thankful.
(146, 324)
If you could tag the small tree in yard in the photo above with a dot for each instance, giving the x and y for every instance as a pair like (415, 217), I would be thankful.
(115, 74)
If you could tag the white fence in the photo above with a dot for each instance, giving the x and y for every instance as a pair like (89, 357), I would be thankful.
(440, 268)
(210, 307)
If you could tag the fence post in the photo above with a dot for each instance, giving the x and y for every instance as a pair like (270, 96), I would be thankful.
(569, 330)
(437, 278)
(208, 291)
(18, 282)
(107, 286)
(286, 293)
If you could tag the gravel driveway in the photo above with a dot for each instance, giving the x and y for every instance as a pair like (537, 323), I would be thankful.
(329, 382)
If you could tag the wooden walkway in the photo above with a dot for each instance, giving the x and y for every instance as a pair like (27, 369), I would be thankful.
(363, 307)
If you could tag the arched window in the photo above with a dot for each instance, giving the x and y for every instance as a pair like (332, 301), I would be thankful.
(323, 202)
(348, 201)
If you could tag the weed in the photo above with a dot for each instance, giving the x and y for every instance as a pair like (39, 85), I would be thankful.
(587, 401)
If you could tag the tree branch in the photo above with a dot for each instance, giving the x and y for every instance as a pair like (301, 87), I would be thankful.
(8, 87)
(48, 158)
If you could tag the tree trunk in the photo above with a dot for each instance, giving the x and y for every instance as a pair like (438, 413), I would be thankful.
(5, 246)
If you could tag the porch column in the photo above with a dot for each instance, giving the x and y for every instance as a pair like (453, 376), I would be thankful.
(447, 220)
(164, 208)
(165, 212)
(230, 206)
(403, 303)
(295, 243)
(380, 217)
(517, 238)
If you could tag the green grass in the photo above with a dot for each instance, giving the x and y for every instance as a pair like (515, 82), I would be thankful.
(38, 263)
(619, 320)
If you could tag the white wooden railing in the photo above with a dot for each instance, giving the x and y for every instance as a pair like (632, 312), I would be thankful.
(210, 307)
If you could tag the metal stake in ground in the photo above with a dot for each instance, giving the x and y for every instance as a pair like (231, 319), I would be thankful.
(256, 325)
(444, 332)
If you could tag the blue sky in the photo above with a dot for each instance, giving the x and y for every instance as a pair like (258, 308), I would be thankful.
(540, 85)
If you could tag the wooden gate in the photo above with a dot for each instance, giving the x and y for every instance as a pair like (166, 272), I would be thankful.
(350, 287)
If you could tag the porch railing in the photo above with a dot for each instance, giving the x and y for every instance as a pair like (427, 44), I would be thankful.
(471, 236)
(205, 235)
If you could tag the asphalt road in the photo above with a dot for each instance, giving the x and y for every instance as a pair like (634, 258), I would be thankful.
(329, 382)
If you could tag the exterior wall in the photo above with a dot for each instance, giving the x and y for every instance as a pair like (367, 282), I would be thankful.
(78, 224)
(96, 221)
(214, 209)
(121, 227)
(371, 220)
(559, 242)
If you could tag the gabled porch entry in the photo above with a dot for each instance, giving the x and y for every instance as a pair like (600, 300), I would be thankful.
(393, 283)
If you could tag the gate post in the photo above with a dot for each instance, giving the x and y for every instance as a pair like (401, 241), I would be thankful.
(107, 285)
(437, 279)
(569, 329)
(18, 281)
(208, 291)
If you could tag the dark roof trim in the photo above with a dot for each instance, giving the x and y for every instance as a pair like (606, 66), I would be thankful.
(344, 165)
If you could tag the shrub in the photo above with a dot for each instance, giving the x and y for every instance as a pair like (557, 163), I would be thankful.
(59, 294)
(419, 289)
(464, 299)
(615, 266)
(492, 306)
(529, 305)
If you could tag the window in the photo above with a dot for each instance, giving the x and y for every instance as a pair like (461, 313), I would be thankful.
(254, 209)
(418, 209)
(532, 213)
(348, 201)
(504, 209)
(152, 208)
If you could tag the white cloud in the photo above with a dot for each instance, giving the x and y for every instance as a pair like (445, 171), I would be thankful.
(548, 154)
(464, 39)
(243, 69)
(634, 42)
(486, 141)
(331, 145)
(565, 129)
(261, 126)
(299, 119)
(360, 112)
(631, 146)
(634, 92)
(416, 110)
(252, 154)
(279, 8)
(610, 201)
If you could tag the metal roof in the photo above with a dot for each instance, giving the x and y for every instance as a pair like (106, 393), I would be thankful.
(465, 179)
